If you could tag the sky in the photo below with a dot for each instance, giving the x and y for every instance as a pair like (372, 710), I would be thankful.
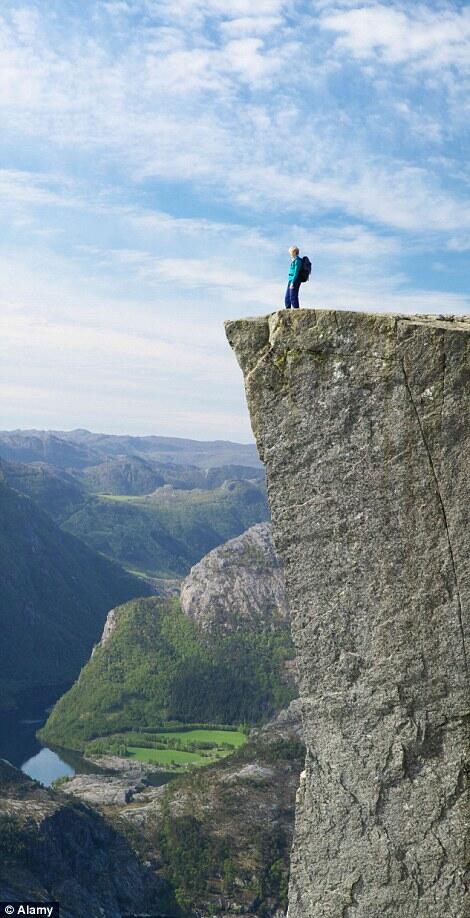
(157, 160)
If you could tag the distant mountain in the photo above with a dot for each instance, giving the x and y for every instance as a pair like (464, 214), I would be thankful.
(132, 476)
(45, 446)
(81, 448)
(54, 596)
(54, 490)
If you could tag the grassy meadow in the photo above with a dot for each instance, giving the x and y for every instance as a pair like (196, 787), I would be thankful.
(175, 750)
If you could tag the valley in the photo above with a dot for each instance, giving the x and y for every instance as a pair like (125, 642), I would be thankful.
(54, 596)
(171, 731)
(100, 549)
(163, 534)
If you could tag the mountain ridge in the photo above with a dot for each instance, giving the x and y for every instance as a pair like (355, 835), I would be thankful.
(55, 593)
(79, 448)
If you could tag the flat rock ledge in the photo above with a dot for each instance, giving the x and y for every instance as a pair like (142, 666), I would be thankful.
(362, 421)
(102, 790)
(132, 769)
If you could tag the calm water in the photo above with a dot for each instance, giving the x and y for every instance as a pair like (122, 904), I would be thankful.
(46, 766)
(19, 746)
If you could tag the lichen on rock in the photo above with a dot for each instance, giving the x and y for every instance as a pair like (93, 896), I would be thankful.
(362, 423)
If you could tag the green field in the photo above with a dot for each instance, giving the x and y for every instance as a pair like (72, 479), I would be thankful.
(167, 756)
(188, 748)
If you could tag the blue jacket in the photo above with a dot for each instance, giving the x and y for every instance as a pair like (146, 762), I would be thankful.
(294, 269)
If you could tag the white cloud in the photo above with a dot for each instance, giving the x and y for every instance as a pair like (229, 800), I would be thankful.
(429, 39)
(247, 26)
(196, 11)
(117, 7)
(245, 56)
(388, 193)
(170, 105)
(349, 242)
(459, 244)
(38, 189)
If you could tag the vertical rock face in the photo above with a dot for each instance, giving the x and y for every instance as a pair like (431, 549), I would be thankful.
(363, 424)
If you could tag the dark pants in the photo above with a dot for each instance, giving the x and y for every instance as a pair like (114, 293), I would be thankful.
(292, 296)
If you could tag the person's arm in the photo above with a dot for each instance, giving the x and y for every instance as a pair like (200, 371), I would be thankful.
(298, 265)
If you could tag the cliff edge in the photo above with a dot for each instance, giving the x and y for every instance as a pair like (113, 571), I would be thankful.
(362, 423)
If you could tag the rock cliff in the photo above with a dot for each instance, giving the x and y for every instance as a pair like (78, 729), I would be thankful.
(362, 423)
(237, 585)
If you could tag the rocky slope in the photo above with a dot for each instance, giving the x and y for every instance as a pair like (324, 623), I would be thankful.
(220, 838)
(54, 596)
(240, 584)
(53, 848)
(362, 422)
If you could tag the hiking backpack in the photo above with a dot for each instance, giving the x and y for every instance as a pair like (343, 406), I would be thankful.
(305, 270)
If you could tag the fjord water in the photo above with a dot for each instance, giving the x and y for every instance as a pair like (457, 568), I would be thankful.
(20, 747)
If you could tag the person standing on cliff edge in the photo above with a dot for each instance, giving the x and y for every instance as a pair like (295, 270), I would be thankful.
(293, 282)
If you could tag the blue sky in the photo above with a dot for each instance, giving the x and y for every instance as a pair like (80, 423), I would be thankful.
(157, 161)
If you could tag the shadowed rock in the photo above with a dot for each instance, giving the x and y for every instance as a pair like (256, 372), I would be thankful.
(55, 848)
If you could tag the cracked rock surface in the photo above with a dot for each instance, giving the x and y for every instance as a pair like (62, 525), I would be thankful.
(362, 421)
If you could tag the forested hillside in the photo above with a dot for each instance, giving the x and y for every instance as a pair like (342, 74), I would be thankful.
(54, 596)
(158, 666)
